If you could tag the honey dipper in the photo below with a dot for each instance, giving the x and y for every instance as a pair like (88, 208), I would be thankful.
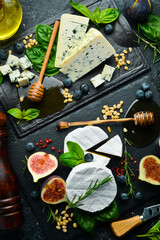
(37, 89)
(140, 119)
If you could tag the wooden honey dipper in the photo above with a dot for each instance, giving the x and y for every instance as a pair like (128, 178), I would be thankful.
(140, 119)
(37, 89)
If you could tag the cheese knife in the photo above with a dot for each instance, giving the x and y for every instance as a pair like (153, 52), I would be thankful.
(121, 227)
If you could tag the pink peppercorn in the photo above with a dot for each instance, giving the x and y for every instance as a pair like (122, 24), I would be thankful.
(59, 151)
(37, 144)
(53, 148)
(50, 140)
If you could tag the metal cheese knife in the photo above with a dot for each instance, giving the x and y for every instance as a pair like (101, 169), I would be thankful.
(121, 227)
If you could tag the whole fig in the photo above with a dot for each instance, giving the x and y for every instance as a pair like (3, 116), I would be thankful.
(138, 10)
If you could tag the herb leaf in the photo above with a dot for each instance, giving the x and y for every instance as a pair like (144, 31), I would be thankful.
(43, 34)
(108, 15)
(153, 233)
(28, 115)
(76, 149)
(1, 78)
(85, 221)
(15, 112)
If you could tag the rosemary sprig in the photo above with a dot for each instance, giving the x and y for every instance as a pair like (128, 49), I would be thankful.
(51, 214)
(128, 171)
(25, 167)
(90, 190)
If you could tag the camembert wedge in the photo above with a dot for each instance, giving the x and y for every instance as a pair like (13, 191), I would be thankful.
(71, 31)
(91, 51)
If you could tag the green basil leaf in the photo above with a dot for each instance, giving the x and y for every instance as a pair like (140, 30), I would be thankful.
(68, 159)
(36, 54)
(108, 15)
(85, 221)
(15, 112)
(50, 72)
(150, 28)
(82, 9)
(31, 113)
(43, 34)
(1, 78)
(76, 150)
(110, 213)
(96, 13)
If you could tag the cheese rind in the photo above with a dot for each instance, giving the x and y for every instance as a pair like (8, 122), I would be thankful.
(14, 75)
(71, 31)
(107, 72)
(97, 80)
(91, 51)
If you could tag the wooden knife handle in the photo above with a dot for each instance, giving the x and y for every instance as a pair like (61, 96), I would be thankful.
(121, 227)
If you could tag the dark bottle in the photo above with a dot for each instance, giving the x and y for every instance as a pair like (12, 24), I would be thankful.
(10, 207)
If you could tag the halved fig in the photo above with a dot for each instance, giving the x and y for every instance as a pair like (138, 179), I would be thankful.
(41, 164)
(149, 169)
(54, 190)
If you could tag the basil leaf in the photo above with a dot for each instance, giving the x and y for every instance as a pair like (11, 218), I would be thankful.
(76, 150)
(15, 112)
(110, 213)
(31, 113)
(43, 34)
(36, 54)
(85, 221)
(108, 15)
(68, 159)
(50, 72)
(96, 14)
(1, 78)
(150, 28)
(153, 233)
(82, 9)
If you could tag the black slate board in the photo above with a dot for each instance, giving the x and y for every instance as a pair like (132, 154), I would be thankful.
(121, 39)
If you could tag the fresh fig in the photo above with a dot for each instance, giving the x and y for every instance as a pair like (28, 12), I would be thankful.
(138, 10)
(41, 164)
(54, 190)
(149, 169)
(157, 147)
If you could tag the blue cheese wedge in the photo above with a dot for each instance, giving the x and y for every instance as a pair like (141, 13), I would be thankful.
(107, 72)
(91, 51)
(113, 146)
(14, 75)
(79, 180)
(25, 63)
(71, 31)
(5, 69)
(28, 74)
(23, 81)
(97, 80)
(12, 61)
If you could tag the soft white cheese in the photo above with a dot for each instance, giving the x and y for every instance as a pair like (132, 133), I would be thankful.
(107, 72)
(113, 146)
(5, 69)
(28, 74)
(97, 80)
(23, 81)
(71, 31)
(79, 180)
(12, 61)
(25, 63)
(14, 75)
(91, 51)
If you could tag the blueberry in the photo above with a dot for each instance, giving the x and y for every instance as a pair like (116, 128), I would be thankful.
(3, 54)
(84, 88)
(121, 179)
(88, 157)
(67, 82)
(145, 86)
(139, 195)
(124, 196)
(78, 94)
(140, 94)
(108, 28)
(35, 194)
(18, 47)
(30, 146)
(148, 94)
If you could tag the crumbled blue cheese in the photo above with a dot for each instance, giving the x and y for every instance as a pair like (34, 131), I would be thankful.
(97, 80)
(23, 81)
(107, 72)
(91, 51)
(5, 69)
(28, 74)
(71, 31)
(12, 61)
(25, 63)
(14, 75)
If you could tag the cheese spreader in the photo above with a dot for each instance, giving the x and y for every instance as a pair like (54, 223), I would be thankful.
(121, 227)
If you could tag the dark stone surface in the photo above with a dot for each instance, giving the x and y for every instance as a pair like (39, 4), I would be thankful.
(35, 12)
